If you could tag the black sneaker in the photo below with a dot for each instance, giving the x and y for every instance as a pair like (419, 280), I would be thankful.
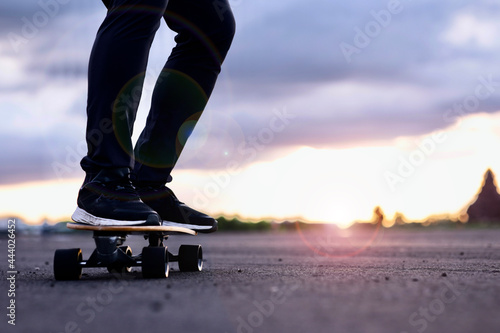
(173, 212)
(111, 200)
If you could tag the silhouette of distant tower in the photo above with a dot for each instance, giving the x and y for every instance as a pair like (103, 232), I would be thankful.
(486, 207)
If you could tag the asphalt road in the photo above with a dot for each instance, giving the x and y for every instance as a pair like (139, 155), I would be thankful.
(328, 281)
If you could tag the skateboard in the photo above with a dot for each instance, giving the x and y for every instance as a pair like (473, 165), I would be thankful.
(117, 258)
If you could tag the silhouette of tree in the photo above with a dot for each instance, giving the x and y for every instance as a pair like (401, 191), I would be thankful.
(486, 207)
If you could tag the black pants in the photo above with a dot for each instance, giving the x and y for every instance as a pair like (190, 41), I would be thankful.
(117, 67)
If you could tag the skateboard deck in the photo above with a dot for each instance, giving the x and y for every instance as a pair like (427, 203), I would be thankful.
(133, 229)
(118, 259)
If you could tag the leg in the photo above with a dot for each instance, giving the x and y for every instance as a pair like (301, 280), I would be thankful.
(205, 30)
(116, 73)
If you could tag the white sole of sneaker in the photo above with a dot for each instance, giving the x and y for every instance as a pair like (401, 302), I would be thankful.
(185, 225)
(82, 216)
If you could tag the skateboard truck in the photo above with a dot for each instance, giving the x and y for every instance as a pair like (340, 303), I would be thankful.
(155, 239)
(109, 253)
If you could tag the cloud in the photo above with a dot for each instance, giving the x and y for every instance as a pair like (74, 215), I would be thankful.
(35, 158)
(290, 52)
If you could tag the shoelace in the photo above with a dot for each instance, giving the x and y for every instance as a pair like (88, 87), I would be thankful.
(118, 189)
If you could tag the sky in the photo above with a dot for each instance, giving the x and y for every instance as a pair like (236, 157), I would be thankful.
(323, 110)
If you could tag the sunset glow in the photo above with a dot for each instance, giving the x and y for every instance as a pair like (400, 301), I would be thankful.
(320, 185)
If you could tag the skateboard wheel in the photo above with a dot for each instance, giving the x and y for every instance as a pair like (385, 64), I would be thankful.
(67, 264)
(155, 262)
(120, 268)
(190, 258)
